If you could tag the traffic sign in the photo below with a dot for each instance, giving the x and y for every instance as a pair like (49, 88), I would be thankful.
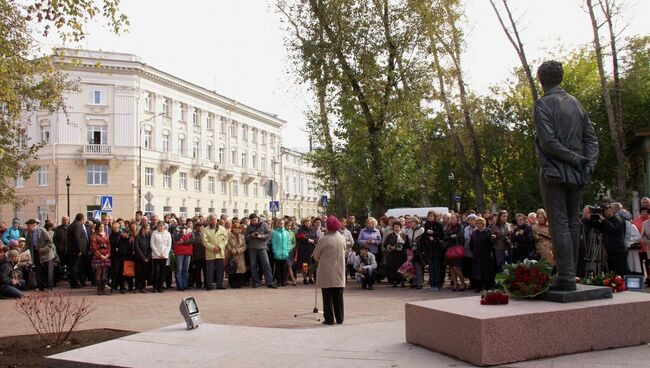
(107, 203)
(97, 215)
(457, 198)
(324, 201)
(274, 206)
(271, 188)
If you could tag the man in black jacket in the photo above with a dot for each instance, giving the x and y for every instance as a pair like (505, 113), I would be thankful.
(78, 238)
(567, 149)
(60, 240)
(613, 228)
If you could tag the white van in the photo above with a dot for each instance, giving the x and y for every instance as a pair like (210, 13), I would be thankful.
(420, 212)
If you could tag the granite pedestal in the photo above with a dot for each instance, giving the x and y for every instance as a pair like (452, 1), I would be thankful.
(524, 330)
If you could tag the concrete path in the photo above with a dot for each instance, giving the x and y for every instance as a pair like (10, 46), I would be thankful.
(373, 328)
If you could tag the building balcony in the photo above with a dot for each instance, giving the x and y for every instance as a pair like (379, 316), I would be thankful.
(97, 149)
(96, 152)
(170, 161)
(248, 175)
(201, 167)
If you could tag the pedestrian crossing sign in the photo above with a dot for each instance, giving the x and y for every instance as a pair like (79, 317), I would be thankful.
(274, 206)
(107, 204)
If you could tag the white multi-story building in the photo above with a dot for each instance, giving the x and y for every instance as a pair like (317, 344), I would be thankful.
(300, 196)
(200, 152)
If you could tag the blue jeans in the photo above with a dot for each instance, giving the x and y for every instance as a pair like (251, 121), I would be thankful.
(182, 271)
(254, 255)
(10, 291)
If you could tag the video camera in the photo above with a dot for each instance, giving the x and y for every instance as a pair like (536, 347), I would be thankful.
(596, 211)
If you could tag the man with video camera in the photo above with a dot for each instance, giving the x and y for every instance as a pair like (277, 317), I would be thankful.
(613, 230)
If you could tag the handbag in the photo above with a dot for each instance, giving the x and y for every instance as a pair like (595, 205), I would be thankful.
(455, 253)
(128, 269)
(231, 267)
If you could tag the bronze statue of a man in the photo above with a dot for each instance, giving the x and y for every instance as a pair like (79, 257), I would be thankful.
(567, 149)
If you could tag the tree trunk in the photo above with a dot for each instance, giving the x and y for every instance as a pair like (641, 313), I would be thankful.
(515, 40)
(621, 169)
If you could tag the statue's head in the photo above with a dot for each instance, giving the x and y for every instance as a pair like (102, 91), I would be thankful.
(550, 74)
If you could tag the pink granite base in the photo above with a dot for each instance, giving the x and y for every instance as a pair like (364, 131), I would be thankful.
(524, 330)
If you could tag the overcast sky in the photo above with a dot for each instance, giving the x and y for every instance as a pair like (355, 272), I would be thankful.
(236, 46)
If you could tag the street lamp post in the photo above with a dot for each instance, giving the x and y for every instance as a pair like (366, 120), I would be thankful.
(142, 124)
(451, 185)
(67, 186)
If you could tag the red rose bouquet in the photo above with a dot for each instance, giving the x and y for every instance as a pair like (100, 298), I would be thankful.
(617, 283)
(494, 297)
(526, 279)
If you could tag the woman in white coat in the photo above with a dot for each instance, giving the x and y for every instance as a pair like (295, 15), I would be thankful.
(330, 275)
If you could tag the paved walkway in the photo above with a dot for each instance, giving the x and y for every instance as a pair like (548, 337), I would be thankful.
(379, 312)
(260, 307)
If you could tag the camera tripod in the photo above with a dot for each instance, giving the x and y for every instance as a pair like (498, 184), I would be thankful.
(314, 311)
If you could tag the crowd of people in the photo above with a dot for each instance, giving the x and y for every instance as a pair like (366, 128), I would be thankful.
(149, 254)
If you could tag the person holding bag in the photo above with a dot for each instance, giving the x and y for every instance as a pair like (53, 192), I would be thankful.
(126, 272)
(101, 261)
(455, 252)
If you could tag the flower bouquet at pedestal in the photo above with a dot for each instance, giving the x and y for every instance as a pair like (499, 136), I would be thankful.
(526, 279)
(617, 283)
(494, 297)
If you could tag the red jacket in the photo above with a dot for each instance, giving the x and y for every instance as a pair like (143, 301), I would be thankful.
(184, 247)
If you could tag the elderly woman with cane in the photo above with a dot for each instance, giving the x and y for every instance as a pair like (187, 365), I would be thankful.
(330, 275)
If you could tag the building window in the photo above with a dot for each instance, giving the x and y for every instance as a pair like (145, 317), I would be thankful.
(167, 179)
(183, 112)
(244, 132)
(97, 134)
(255, 190)
(233, 156)
(220, 155)
(197, 183)
(182, 181)
(165, 106)
(19, 182)
(211, 184)
(295, 184)
(209, 120)
(195, 149)
(196, 117)
(244, 159)
(223, 125)
(254, 133)
(45, 134)
(224, 186)
(165, 142)
(147, 137)
(208, 151)
(42, 176)
(148, 176)
(263, 137)
(233, 129)
(272, 139)
(263, 163)
(147, 102)
(97, 175)
(245, 186)
(181, 144)
(97, 95)
(182, 212)
(254, 159)
(235, 187)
